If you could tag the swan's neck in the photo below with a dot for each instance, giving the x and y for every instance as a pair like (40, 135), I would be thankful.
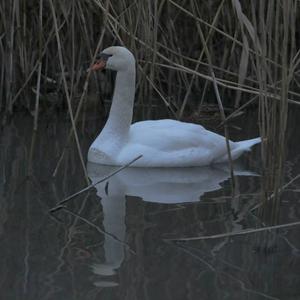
(117, 126)
(120, 116)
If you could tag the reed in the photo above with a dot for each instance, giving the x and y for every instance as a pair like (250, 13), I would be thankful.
(235, 48)
(274, 22)
(162, 34)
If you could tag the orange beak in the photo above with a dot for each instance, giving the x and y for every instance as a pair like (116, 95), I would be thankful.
(98, 65)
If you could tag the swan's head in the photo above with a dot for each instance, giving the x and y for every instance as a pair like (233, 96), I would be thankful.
(114, 58)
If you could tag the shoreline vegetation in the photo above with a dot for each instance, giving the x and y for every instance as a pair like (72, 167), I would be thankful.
(187, 51)
(252, 49)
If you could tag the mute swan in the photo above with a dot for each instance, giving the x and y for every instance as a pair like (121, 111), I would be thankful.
(163, 143)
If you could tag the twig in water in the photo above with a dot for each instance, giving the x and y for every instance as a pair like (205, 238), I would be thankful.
(280, 190)
(242, 232)
(212, 268)
(61, 203)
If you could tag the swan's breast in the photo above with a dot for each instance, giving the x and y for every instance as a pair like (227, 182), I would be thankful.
(97, 156)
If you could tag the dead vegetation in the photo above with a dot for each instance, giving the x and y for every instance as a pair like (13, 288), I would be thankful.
(244, 52)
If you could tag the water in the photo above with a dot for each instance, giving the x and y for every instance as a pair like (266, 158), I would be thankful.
(112, 244)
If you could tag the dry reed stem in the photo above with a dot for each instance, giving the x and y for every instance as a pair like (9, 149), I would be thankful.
(59, 48)
(219, 101)
(191, 71)
(38, 85)
(82, 97)
(273, 194)
(36, 65)
(157, 35)
(199, 20)
(167, 104)
(236, 112)
(242, 232)
(37, 98)
(184, 102)
(239, 87)
(62, 202)
(226, 83)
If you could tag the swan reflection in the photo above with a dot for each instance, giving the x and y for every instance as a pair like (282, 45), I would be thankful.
(159, 185)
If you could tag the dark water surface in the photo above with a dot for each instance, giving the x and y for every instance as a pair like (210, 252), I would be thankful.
(111, 242)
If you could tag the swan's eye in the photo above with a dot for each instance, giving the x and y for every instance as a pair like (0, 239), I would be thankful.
(103, 56)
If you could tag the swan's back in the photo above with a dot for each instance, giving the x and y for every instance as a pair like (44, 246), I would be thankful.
(170, 143)
(171, 135)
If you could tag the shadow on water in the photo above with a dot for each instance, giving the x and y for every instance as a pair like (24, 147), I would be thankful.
(111, 242)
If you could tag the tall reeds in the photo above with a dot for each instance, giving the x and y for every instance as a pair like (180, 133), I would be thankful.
(274, 23)
(164, 36)
(185, 51)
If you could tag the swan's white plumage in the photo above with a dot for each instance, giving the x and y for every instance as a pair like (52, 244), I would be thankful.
(163, 143)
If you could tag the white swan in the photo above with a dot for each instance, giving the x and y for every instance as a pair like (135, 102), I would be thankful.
(163, 143)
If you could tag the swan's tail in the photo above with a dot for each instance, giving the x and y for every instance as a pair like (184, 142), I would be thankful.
(239, 149)
(247, 144)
